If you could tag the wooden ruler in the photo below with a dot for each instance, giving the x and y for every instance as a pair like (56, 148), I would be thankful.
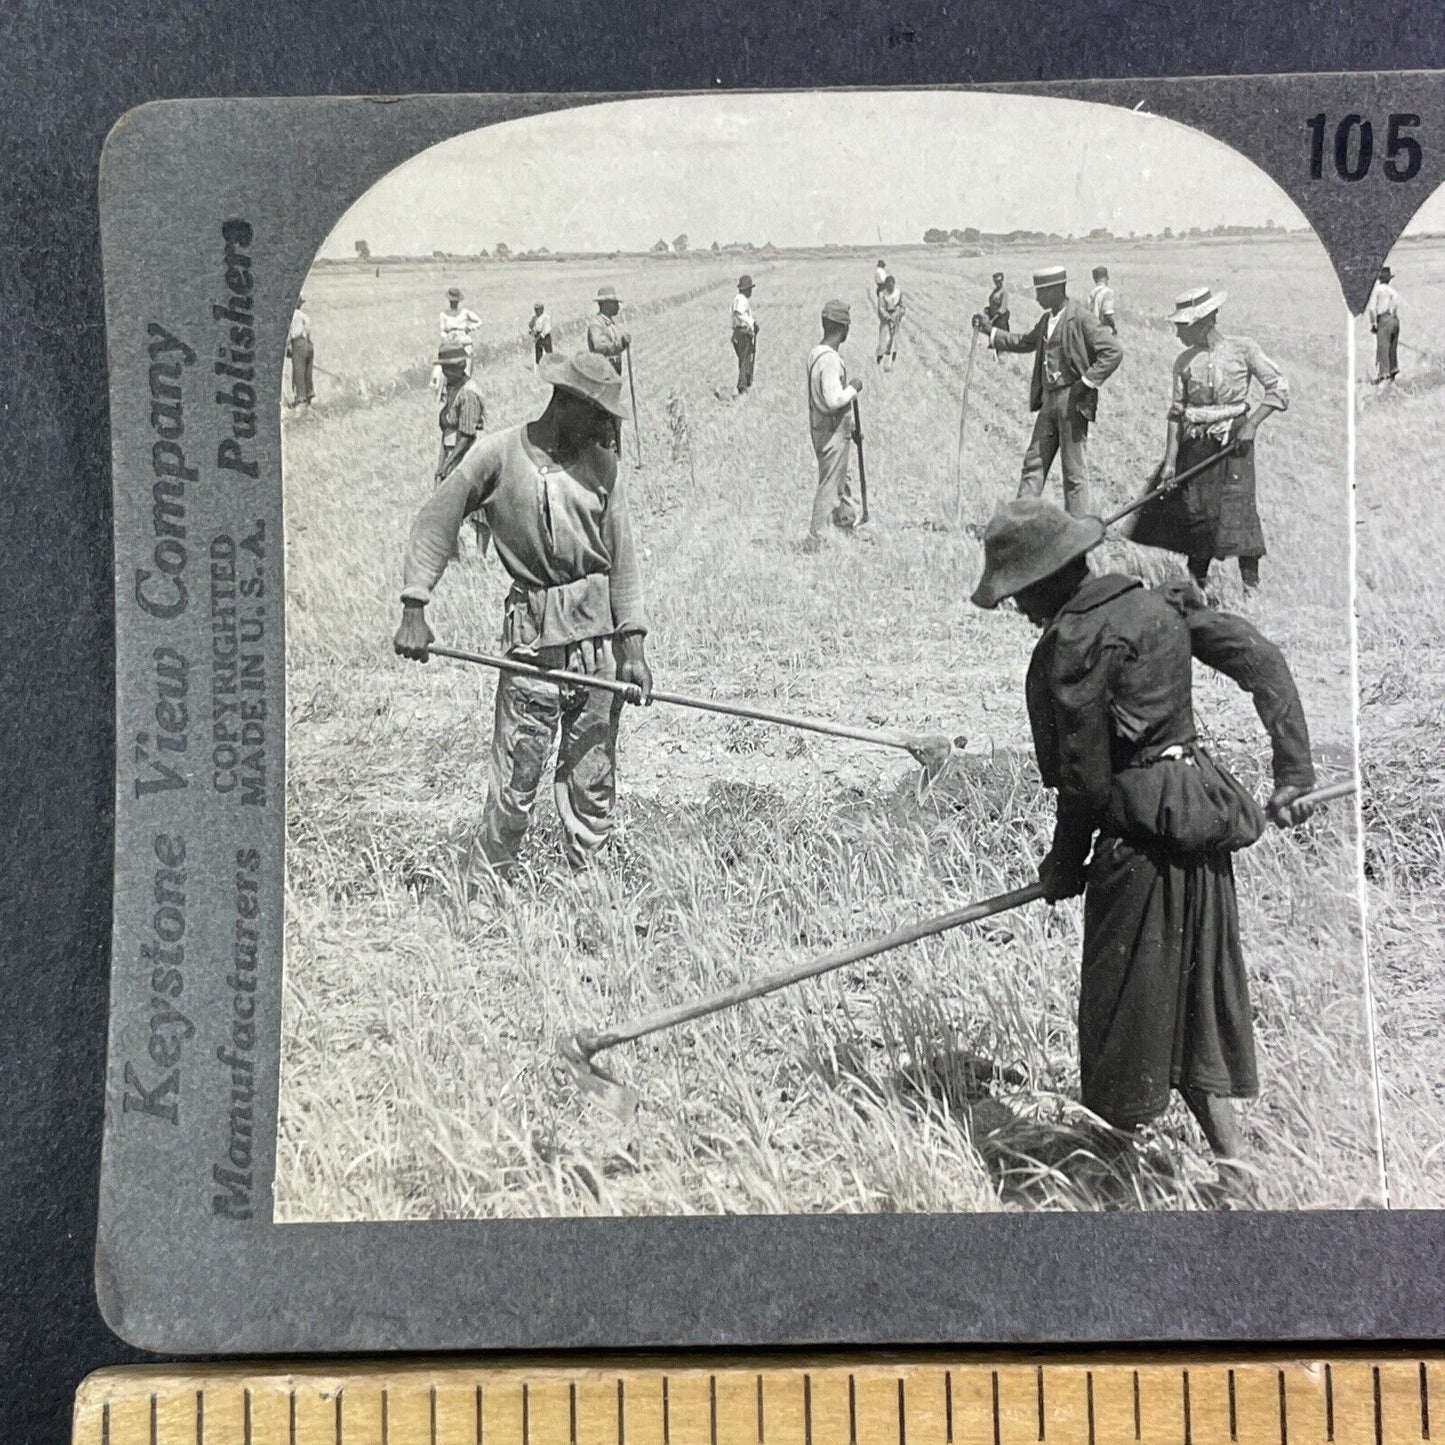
(1377, 1398)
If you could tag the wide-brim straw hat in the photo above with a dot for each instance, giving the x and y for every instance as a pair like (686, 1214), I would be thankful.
(589, 376)
(838, 311)
(1050, 276)
(1195, 304)
(607, 293)
(1027, 540)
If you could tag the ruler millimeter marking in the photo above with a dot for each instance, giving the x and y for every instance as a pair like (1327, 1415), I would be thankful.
(901, 1399)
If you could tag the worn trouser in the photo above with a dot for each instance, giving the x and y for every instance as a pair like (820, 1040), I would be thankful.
(1387, 346)
(833, 502)
(530, 714)
(541, 346)
(746, 346)
(302, 355)
(1058, 431)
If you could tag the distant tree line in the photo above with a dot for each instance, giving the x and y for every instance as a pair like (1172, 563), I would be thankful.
(971, 235)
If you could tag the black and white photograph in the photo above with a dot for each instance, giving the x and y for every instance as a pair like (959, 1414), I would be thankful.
(819, 673)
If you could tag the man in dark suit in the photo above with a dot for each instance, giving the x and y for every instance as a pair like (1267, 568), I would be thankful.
(1073, 355)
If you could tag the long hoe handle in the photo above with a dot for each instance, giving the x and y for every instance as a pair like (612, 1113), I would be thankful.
(680, 699)
(590, 1043)
(862, 469)
(1169, 486)
(632, 389)
(962, 419)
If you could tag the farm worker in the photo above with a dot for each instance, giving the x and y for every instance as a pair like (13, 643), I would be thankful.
(1073, 356)
(552, 496)
(745, 332)
(302, 354)
(830, 420)
(605, 337)
(995, 309)
(539, 328)
(890, 318)
(1163, 998)
(1210, 414)
(463, 412)
(880, 275)
(1383, 314)
(458, 322)
(1101, 299)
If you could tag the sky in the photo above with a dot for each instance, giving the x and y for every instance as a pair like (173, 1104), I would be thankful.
(807, 168)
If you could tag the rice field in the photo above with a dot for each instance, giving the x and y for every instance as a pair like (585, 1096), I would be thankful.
(1400, 440)
(420, 1077)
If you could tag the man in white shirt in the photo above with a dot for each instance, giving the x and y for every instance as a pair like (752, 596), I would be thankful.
(880, 275)
(1383, 314)
(830, 421)
(539, 328)
(302, 354)
(745, 332)
(1101, 299)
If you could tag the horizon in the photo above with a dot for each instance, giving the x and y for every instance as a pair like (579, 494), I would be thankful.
(789, 168)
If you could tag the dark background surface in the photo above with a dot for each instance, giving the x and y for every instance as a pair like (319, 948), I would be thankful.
(66, 73)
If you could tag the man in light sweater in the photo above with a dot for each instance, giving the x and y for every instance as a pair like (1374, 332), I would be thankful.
(830, 421)
(552, 497)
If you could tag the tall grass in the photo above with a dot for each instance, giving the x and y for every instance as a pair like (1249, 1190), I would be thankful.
(1400, 441)
(419, 1070)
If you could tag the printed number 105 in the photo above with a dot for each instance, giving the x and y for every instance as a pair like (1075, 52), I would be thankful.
(1354, 147)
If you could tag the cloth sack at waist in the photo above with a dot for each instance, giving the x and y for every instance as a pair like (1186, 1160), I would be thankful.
(541, 617)
(1184, 801)
(1213, 421)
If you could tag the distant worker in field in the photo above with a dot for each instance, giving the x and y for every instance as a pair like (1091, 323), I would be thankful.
(880, 275)
(1211, 414)
(539, 328)
(552, 496)
(1073, 356)
(890, 319)
(302, 354)
(1383, 314)
(995, 309)
(1163, 996)
(458, 323)
(745, 332)
(830, 421)
(605, 337)
(1101, 299)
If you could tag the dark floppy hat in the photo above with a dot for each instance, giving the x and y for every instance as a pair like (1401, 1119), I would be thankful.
(1386, 274)
(745, 283)
(998, 275)
(1027, 540)
(589, 376)
(452, 353)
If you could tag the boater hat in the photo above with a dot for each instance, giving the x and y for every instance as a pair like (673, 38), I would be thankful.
(745, 283)
(454, 293)
(1195, 304)
(838, 311)
(1050, 276)
(1027, 540)
(589, 376)
(607, 293)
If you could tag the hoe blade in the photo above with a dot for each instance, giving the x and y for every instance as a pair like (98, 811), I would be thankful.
(599, 1085)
